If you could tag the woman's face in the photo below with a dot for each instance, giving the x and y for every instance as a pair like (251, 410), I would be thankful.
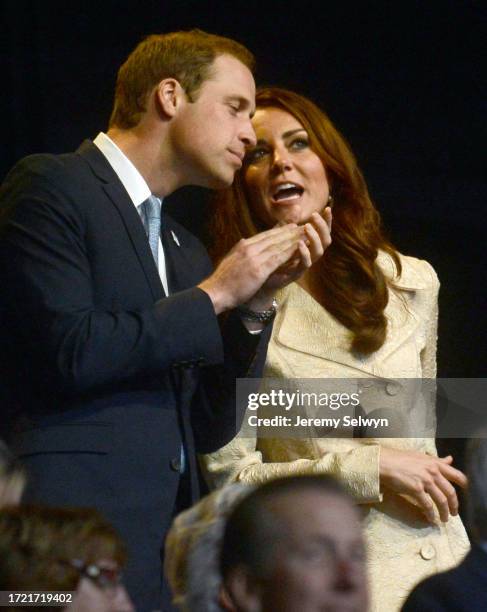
(103, 593)
(286, 181)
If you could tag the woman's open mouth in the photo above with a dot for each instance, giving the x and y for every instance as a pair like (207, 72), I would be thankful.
(287, 192)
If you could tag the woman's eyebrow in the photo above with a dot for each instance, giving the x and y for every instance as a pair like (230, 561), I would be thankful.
(262, 141)
(291, 132)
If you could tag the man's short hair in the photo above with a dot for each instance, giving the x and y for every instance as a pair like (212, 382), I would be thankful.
(477, 487)
(253, 529)
(185, 56)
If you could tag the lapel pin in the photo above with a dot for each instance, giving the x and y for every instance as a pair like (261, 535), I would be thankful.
(175, 238)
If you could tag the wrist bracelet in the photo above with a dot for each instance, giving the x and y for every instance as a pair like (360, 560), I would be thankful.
(258, 316)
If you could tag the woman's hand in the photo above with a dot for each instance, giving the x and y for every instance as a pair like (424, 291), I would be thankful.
(424, 478)
(315, 242)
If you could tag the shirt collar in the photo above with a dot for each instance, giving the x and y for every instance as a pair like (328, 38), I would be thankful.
(128, 174)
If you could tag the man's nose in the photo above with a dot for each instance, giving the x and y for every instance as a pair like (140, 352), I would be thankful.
(247, 135)
(345, 575)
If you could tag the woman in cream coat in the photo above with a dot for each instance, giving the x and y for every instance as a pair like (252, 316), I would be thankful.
(364, 312)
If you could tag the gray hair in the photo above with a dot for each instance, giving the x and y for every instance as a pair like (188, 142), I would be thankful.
(477, 486)
(193, 548)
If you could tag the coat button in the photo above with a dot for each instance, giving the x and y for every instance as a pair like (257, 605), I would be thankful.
(175, 464)
(427, 552)
(392, 388)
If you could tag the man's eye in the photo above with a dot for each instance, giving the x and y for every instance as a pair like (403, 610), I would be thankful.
(234, 109)
(317, 554)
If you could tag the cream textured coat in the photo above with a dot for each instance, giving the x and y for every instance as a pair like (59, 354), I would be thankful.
(308, 342)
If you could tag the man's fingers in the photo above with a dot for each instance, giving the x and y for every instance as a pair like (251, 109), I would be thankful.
(275, 236)
(275, 257)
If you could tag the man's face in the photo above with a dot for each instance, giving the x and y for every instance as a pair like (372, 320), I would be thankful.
(319, 564)
(211, 133)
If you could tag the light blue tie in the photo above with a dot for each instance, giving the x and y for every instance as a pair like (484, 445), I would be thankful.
(151, 218)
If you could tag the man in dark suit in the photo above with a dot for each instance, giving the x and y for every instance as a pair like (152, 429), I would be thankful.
(118, 367)
(463, 588)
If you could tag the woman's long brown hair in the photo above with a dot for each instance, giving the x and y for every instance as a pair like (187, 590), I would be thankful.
(347, 280)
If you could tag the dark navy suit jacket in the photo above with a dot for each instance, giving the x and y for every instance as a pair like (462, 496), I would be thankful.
(462, 589)
(107, 375)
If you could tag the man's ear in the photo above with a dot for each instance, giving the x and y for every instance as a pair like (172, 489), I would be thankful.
(240, 592)
(168, 96)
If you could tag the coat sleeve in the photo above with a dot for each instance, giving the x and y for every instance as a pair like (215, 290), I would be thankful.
(218, 415)
(242, 461)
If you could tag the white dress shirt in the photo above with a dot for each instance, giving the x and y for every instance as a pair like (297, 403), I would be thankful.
(134, 184)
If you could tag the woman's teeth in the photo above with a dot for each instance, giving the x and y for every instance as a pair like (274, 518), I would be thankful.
(287, 192)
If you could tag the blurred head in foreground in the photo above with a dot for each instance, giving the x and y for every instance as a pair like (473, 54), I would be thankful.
(295, 544)
(12, 477)
(192, 559)
(63, 549)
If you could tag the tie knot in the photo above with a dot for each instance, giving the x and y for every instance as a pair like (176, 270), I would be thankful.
(151, 218)
(152, 208)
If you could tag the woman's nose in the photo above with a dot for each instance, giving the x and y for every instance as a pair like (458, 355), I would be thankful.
(281, 160)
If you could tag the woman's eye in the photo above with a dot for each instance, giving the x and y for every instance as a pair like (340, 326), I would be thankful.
(254, 155)
(299, 143)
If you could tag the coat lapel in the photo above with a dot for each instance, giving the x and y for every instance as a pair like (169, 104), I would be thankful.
(179, 257)
(328, 339)
(120, 199)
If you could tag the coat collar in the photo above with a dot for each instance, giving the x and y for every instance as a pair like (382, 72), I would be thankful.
(304, 326)
(410, 279)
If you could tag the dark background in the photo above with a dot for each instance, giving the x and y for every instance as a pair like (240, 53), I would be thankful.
(403, 80)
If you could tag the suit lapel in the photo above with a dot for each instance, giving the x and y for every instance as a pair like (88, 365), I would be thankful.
(119, 198)
(179, 257)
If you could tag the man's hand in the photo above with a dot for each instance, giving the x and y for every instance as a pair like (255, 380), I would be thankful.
(244, 270)
(317, 240)
(252, 271)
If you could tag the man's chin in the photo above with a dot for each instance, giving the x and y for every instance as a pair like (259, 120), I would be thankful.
(221, 181)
